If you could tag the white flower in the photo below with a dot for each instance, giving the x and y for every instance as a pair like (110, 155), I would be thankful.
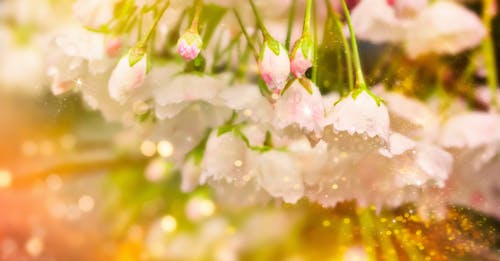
(376, 21)
(228, 158)
(471, 130)
(444, 28)
(361, 115)
(125, 78)
(410, 116)
(181, 90)
(301, 108)
(280, 176)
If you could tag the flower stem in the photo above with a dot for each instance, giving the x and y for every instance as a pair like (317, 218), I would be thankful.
(360, 79)
(489, 53)
(347, 52)
(290, 24)
(247, 36)
(306, 29)
(198, 6)
(155, 23)
(311, 5)
(265, 33)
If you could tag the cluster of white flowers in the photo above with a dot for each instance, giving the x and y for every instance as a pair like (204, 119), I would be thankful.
(300, 144)
(443, 27)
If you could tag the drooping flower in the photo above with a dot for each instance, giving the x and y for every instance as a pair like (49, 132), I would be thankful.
(360, 115)
(274, 65)
(279, 176)
(444, 28)
(189, 45)
(300, 108)
(126, 78)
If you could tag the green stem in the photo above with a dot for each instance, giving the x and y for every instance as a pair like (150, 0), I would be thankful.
(267, 36)
(247, 36)
(290, 24)
(489, 53)
(155, 22)
(311, 5)
(306, 29)
(347, 52)
(360, 79)
(198, 6)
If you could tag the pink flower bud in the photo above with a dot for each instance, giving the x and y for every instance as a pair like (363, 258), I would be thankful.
(274, 67)
(125, 78)
(189, 45)
(301, 57)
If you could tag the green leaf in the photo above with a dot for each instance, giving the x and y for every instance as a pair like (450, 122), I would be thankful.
(331, 69)
(210, 19)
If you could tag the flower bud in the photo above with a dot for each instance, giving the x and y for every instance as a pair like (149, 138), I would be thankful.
(127, 76)
(302, 55)
(189, 45)
(274, 65)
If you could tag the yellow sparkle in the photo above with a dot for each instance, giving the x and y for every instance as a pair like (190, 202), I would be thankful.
(326, 223)
(347, 220)
(86, 203)
(148, 148)
(5, 178)
(238, 163)
(168, 224)
(165, 148)
(335, 186)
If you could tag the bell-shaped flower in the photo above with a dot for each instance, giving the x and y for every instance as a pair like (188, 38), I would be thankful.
(471, 130)
(274, 65)
(189, 45)
(444, 28)
(376, 21)
(127, 77)
(280, 176)
(301, 107)
(301, 56)
(360, 113)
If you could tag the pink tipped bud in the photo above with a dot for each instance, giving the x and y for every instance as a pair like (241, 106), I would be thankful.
(302, 54)
(189, 45)
(274, 66)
